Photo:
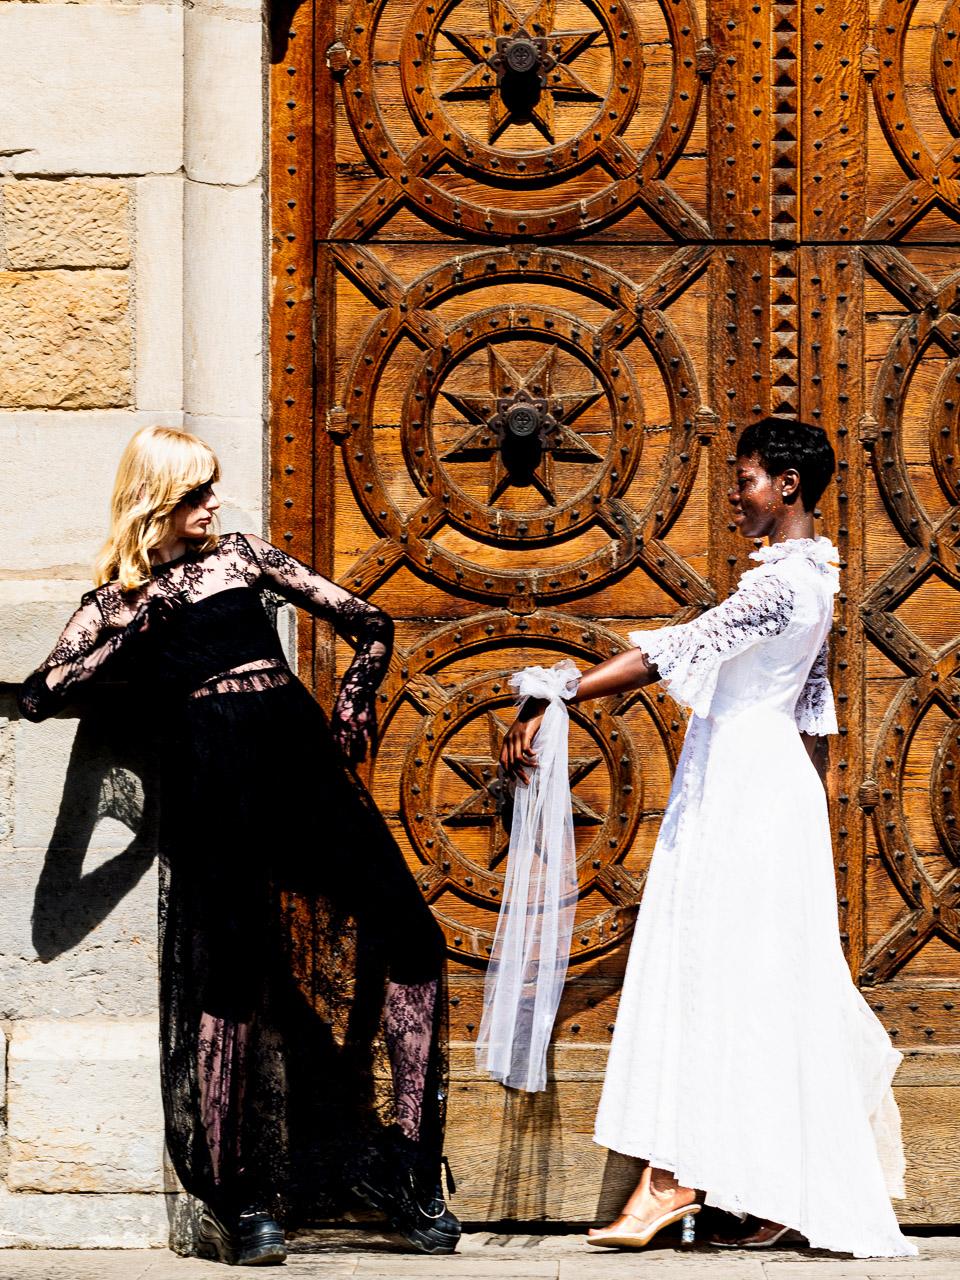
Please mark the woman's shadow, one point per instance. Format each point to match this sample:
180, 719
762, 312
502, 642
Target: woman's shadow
110, 774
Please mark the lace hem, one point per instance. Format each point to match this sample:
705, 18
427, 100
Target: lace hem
240, 680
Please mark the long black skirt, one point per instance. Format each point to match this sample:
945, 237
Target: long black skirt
286, 908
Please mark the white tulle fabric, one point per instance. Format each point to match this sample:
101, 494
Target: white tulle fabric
744, 1058
531, 948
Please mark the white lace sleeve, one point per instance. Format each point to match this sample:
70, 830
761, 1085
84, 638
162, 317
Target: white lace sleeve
689, 657
815, 711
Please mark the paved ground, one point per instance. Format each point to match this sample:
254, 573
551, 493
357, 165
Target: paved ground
483, 1256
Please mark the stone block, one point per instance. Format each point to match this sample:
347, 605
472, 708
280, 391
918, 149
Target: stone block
223, 301
76, 223
114, 1140
65, 340
69, 1221
229, 6
78, 933
32, 615
55, 488
223, 97
239, 444
99, 89
8, 767
159, 292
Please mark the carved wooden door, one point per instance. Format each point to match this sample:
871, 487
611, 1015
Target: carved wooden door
535, 267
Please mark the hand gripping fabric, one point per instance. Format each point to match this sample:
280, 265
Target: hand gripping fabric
532, 944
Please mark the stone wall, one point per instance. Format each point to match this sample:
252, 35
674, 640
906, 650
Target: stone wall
132, 279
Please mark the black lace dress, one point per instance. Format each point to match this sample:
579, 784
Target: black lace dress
302, 998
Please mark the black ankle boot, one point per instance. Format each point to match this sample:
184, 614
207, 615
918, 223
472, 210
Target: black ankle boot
387, 1178
252, 1239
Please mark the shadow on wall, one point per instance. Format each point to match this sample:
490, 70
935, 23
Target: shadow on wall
282, 13
530, 1155
110, 774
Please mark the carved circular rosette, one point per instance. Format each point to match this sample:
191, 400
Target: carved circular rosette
460, 734
435, 117
936, 171
931, 904
409, 172
939, 325
945, 791
557, 331
607, 373
932, 907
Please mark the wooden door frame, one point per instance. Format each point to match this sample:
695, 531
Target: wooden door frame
301, 94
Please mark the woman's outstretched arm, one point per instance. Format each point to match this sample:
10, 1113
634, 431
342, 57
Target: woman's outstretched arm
619, 674
687, 656
370, 629
85, 651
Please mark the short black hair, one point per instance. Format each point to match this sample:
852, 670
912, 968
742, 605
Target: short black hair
782, 444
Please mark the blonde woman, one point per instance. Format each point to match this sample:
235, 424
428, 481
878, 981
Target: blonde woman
296, 950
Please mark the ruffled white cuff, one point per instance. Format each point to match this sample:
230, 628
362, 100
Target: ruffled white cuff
687, 667
560, 681
816, 712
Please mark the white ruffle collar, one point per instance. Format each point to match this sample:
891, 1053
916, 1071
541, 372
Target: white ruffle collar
819, 551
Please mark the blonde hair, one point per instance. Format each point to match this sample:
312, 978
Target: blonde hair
159, 466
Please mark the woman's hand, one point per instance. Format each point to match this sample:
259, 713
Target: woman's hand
354, 726
517, 755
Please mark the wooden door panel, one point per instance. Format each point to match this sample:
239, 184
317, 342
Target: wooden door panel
426, 129
692, 216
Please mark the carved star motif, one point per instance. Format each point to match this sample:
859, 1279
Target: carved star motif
559, 80
481, 806
481, 441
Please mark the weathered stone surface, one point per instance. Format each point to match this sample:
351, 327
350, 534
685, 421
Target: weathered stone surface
159, 293
3, 1081
223, 118
65, 339
222, 300
239, 444
78, 934
114, 1141
76, 223
32, 615
55, 484
88, 889
79, 782
8, 764
99, 89
64, 1221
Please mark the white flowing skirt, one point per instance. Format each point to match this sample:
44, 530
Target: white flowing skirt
744, 1059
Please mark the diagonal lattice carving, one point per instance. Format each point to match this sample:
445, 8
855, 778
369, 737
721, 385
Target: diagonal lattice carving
934, 173
932, 907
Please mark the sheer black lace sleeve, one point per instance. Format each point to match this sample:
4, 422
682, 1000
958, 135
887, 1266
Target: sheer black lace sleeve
86, 650
370, 629
815, 712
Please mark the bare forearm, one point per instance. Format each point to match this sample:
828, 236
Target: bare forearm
619, 674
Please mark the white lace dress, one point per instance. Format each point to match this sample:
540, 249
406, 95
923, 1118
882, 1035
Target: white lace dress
744, 1059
